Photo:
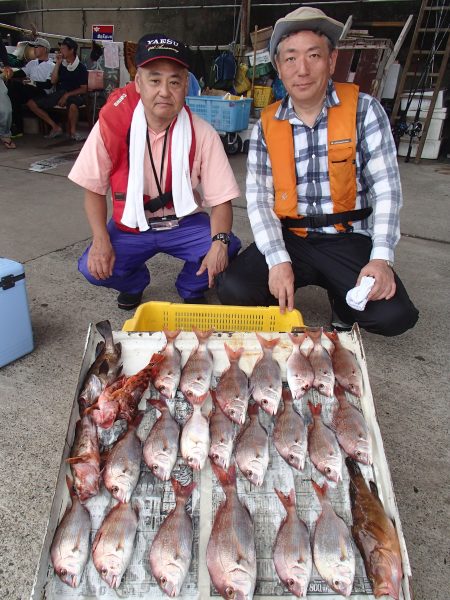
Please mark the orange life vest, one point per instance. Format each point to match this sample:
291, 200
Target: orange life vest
341, 156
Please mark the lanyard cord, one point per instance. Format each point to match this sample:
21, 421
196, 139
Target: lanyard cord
158, 181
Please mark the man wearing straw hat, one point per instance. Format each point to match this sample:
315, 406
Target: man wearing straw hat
323, 190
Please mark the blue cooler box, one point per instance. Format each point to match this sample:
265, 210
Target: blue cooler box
16, 336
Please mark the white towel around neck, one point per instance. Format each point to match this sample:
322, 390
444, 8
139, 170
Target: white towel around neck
183, 197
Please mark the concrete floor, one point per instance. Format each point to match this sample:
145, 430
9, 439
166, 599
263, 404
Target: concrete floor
43, 226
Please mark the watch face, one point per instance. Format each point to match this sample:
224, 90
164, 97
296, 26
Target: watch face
222, 237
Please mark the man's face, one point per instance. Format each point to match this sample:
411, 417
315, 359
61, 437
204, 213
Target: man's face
305, 64
40, 52
162, 85
66, 52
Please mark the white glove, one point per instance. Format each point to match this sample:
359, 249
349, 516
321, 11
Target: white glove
357, 297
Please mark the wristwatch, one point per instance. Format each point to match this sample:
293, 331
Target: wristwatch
221, 237
390, 264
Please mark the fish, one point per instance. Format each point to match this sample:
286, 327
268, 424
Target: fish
171, 551
351, 429
231, 550
292, 555
195, 440
321, 364
333, 552
168, 372
161, 446
122, 403
69, 551
265, 380
105, 369
299, 372
232, 390
113, 545
197, 372
346, 368
289, 433
85, 459
375, 535
221, 431
123, 464
323, 446
252, 448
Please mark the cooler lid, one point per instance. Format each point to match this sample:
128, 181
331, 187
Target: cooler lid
10, 272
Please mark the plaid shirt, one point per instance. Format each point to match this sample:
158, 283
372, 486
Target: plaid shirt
377, 178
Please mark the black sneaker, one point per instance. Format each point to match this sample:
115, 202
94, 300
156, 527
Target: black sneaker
127, 301
199, 300
339, 325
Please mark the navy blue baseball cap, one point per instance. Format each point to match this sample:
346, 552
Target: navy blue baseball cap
158, 45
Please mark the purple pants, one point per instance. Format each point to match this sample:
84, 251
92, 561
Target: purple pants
189, 242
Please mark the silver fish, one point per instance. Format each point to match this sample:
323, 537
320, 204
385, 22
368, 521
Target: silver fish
232, 390
104, 370
333, 552
113, 544
299, 372
85, 459
195, 441
221, 432
252, 449
171, 550
123, 465
292, 554
69, 551
345, 366
231, 551
351, 429
265, 380
321, 364
289, 434
161, 446
168, 372
323, 446
197, 372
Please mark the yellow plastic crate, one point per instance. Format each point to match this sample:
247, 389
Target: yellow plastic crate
155, 316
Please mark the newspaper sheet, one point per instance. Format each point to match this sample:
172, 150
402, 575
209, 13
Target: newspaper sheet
155, 499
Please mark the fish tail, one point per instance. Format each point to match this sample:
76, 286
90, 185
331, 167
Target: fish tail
171, 335
315, 410
298, 340
268, 344
104, 329
339, 392
320, 491
287, 395
75, 460
253, 409
287, 501
159, 403
332, 335
198, 400
202, 336
353, 467
316, 335
233, 355
182, 491
226, 478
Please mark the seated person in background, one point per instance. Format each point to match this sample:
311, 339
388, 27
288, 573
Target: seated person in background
70, 78
30, 82
5, 103
323, 189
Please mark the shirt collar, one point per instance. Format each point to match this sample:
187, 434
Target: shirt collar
286, 111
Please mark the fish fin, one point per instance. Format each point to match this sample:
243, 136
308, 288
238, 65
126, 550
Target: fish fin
171, 335
159, 403
265, 343
137, 420
287, 395
99, 349
374, 489
343, 549
353, 468
118, 348
69, 482
226, 478
233, 355
96, 541
104, 367
182, 491
316, 335
121, 542
287, 501
316, 410
320, 491
198, 400
339, 392
253, 409
74, 460
202, 336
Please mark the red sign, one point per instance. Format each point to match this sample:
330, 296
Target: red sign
103, 32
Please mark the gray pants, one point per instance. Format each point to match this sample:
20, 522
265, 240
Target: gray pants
5, 111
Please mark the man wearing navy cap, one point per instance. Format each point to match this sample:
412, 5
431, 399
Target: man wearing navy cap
152, 153
70, 78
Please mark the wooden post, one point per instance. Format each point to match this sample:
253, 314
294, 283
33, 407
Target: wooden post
254, 60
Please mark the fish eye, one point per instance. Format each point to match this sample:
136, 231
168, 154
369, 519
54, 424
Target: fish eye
229, 591
358, 453
115, 489
337, 583
290, 582
232, 411
104, 571
215, 456
327, 470
321, 386
155, 467
249, 472
163, 580
63, 572
291, 457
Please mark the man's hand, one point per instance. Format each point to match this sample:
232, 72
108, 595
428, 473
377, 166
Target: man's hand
101, 258
384, 287
215, 261
7, 72
58, 58
63, 100
281, 285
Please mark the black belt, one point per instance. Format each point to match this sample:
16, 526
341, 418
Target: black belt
316, 221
